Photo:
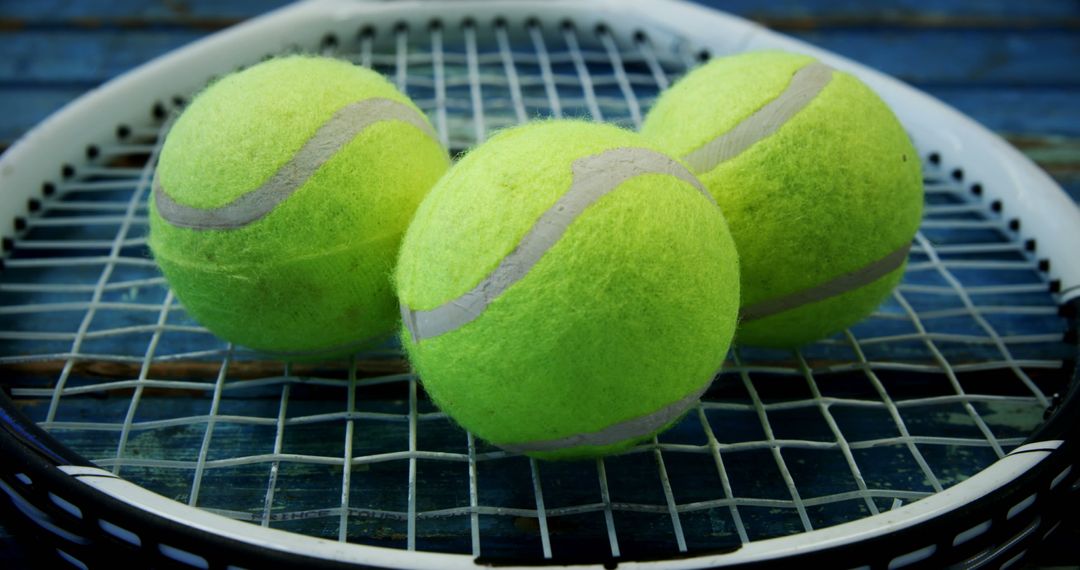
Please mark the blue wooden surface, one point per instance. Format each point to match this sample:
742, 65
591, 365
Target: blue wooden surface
1010, 65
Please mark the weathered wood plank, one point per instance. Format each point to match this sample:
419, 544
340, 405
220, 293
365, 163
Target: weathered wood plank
1047, 111
784, 13
1011, 80
814, 14
81, 56
206, 14
964, 57
824, 9
25, 107
985, 57
1058, 156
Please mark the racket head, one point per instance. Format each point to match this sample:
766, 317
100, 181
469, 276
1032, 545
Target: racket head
507, 509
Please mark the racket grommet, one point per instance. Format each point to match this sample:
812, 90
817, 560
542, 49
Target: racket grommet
602, 29
401, 26
976, 189
179, 101
48, 189
1044, 265
123, 131
67, 171
1029, 245
532, 22
500, 22
159, 109
435, 24
995, 206
330, 40
33, 204
7, 244
567, 24
1055, 286
1014, 224
958, 174
468, 23
20, 223
703, 55
934, 158
367, 32
92, 152
640, 37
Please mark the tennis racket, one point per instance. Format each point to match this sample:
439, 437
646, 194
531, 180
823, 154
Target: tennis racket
940, 431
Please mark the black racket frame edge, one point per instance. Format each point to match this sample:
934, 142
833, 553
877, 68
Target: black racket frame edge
27, 449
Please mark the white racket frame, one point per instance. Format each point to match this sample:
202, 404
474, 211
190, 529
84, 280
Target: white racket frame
1025, 191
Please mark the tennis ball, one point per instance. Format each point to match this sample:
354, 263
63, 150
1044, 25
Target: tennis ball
279, 203
820, 184
567, 290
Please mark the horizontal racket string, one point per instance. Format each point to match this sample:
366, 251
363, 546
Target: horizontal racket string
967, 348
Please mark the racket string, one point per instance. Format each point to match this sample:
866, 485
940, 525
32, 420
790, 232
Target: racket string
774, 448
834, 428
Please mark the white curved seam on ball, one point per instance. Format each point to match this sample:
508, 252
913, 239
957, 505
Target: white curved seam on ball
615, 433
804, 86
850, 281
341, 128
593, 177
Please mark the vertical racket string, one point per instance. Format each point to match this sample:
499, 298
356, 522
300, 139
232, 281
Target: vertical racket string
475, 91
894, 413
211, 420
438, 71
279, 441
609, 516
506, 54
725, 481
546, 75
584, 76
541, 512
621, 77
347, 466
947, 369
773, 444
841, 441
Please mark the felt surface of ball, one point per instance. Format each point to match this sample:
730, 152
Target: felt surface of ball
820, 185
280, 199
567, 290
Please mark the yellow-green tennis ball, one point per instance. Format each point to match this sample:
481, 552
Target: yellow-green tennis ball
280, 200
567, 290
818, 180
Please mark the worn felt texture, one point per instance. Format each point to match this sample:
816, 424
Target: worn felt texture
311, 278
835, 188
632, 309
